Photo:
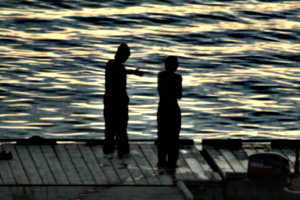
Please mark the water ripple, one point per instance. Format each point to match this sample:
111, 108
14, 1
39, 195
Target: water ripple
239, 61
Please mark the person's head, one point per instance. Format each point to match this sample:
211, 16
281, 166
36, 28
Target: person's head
171, 64
122, 53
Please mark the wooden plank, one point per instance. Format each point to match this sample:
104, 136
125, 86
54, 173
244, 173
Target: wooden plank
93, 165
185, 190
134, 170
109, 171
261, 148
241, 156
249, 150
219, 160
41, 164
28, 164
54, 164
193, 164
184, 172
291, 155
16, 165
144, 166
207, 169
7, 176
152, 159
80, 165
67, 165
233, 161
20, 193
177, 175
92, 193
122, 171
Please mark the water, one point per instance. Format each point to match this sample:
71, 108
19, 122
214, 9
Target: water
239, 61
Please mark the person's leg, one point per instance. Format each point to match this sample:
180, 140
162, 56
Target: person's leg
109, 142
162, 138
173, 151
162, 149
121, 133
173, 144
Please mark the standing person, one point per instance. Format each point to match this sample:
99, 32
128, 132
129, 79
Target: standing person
169, 114
116, 104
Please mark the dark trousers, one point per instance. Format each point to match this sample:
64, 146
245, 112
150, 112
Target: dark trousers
168, 125
116, 119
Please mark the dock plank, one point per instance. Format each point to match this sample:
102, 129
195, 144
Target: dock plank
152, 159
260, 148
92, 193
16, 165
241, 156
207, 169
145, 167
220, 161
233, 161
93, 165
193, 164
7, 176
275, 150
249, 150
122, 171
291, 155
28, 164
67, 165
134, 170
54, 165
184, 172
41, 164
108, 169
80, 164
178, 172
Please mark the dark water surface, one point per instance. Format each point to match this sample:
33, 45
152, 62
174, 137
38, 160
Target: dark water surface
239, 61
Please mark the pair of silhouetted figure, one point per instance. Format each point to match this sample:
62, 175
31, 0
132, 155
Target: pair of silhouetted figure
116, 108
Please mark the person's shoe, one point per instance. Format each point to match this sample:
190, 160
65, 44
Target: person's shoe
171, 166
160, 166
124, 155
109, 155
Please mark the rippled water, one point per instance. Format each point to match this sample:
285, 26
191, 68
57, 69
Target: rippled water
239, 61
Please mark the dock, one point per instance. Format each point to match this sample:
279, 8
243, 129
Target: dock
229, 157
46, 169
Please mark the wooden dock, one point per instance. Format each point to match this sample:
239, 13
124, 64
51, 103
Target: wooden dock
230, 159
50, 169
74, 170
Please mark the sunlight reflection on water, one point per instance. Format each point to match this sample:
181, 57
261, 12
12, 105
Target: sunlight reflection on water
238, 60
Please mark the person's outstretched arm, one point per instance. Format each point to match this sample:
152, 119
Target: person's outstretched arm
135, 72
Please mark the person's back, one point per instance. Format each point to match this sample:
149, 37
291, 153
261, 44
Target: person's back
169, 114
115, 82
169, 87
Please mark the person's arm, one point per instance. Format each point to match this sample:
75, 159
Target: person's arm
180, 88
135, 72
159, 80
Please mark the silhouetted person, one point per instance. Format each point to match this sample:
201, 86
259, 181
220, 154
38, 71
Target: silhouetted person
116, 104
169, 114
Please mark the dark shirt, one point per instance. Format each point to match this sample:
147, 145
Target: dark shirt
115, 82
169, 87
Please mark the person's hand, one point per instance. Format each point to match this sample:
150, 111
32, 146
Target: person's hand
138, 73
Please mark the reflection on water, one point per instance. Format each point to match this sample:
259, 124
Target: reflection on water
239, 61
